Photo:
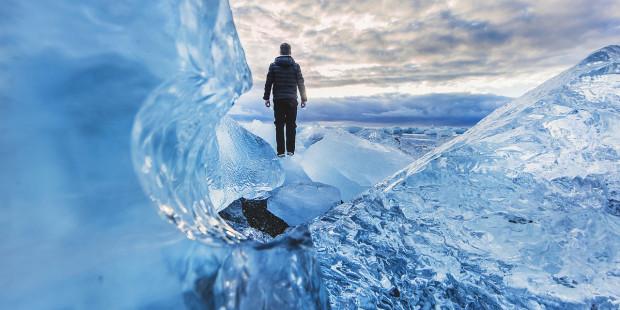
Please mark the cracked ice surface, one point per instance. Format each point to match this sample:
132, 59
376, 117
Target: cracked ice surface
520, 211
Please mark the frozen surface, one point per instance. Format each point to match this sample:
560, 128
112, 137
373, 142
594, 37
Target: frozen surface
350, 163
193, 162
300, 200
78, 231
300, 203
411, 140
353, 159
248, 165
519, 212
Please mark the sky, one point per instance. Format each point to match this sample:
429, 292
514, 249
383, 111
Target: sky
430, 61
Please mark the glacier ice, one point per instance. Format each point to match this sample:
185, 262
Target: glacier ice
300, 200
350, 163
351, 160
300, 203
78, 231
283, 274
519, 212
188, 165
247, 164
193, 162
411, 140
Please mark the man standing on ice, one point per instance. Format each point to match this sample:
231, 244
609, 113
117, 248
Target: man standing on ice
285, 76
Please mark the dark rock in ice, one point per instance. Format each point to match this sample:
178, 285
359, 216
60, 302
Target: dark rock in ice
246, 215
395, 292
515, 219
257, 215
234, 215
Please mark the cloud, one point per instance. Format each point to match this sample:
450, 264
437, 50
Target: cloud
458, 109
414, 46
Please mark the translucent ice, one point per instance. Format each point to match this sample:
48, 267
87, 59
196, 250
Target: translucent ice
247, 164
413, 141
78, 231
519, 212
522, 211
350, 163
191, 168
300, 203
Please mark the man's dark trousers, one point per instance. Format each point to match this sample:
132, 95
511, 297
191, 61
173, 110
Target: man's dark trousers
285, 112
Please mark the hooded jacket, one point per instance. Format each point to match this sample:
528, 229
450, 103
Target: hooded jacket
285, 76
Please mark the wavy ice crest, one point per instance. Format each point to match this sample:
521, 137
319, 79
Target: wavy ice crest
191, 160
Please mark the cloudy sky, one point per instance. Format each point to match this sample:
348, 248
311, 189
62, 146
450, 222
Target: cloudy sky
398, 58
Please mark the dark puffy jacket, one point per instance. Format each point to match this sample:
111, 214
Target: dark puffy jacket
285, 76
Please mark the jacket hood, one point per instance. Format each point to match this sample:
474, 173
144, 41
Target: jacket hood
284, 61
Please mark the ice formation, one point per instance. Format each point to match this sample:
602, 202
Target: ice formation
519, 212
411, 140
352, 160
350, 163
78, 231
194, 162
188, 165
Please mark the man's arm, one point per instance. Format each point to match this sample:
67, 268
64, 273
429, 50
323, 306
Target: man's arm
268, 84
300, 84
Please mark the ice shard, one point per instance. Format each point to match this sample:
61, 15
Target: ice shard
519, 212
192, 161
188, 165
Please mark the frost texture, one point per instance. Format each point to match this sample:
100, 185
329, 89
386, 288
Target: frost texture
411, 140
520, 211
188, 165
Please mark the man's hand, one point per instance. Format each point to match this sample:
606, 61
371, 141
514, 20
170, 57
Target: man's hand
303, 104
267, 103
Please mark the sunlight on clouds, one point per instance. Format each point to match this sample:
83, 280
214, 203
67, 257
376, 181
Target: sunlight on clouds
513, 86
336, 70
367, 21
372, 47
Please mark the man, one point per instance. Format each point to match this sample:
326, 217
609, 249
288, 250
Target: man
285, 76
